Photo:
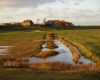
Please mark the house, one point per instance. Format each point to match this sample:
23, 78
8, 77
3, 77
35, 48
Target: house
57, 23
27, 23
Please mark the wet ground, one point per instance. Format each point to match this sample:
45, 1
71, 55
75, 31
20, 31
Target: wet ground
64, 56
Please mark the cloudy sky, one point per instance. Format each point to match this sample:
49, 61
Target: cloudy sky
80, 12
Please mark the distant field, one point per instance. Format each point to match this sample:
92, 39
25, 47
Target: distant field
19, 36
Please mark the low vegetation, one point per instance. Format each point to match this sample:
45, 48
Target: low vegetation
68, 44
63, 67
27, 43
45, 54
29, 74
50, 44
87, 53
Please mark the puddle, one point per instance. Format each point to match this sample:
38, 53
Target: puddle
65, 55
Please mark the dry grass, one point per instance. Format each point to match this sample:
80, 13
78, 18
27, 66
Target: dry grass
25, 49
22, 49
45, 54
75, 53
51, 45
50, 35
13, 62
87, 53
20, 63
50, 41
60, 66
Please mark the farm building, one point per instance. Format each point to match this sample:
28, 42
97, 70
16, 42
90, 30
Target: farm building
27, 23
57, 23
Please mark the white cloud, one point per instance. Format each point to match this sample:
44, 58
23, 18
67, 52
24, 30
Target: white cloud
71, 10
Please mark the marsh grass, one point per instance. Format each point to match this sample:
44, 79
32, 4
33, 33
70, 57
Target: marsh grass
88, 37
45, 54
20, 74
22, 49
53, 66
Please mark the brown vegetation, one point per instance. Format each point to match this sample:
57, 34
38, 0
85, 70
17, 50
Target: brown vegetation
74, 52
45, 54
87, 53
50, 41
51, 45
20, 63
60, 66
25, 49
13, 62
50, 35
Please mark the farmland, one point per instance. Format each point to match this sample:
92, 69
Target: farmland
27, 43
89, 37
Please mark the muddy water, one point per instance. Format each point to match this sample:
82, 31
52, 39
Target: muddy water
65, 55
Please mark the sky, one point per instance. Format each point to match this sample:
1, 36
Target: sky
80, 12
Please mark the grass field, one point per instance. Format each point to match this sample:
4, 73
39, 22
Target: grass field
25, 74
27, 43
21, 37
89, 38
